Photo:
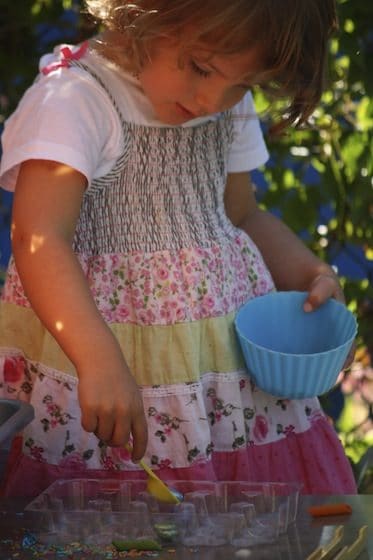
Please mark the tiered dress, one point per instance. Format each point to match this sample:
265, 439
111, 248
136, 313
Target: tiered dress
168, 271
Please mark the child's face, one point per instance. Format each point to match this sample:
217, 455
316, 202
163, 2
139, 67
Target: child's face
203, 85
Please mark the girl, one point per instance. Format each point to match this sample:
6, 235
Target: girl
136, 237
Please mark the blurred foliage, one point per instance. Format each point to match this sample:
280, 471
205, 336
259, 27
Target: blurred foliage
350, 404
334, 159
319, 178
28, 28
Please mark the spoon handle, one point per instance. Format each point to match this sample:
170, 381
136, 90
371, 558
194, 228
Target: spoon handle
142, 463
147, 469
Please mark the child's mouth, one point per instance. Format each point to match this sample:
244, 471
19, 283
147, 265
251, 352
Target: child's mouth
185, 112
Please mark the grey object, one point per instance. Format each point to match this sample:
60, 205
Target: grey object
14, 416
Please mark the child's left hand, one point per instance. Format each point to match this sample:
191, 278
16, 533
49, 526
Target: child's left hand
323, 287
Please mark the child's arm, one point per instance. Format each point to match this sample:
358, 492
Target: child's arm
46, 207
292, 265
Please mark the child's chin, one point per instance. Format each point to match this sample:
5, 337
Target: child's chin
174, 117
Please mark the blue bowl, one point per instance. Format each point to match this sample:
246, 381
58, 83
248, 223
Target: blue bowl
290, 353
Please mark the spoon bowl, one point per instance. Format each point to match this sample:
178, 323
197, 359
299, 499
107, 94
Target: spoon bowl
157, 488
163, 493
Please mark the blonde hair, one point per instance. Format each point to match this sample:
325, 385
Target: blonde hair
291, 35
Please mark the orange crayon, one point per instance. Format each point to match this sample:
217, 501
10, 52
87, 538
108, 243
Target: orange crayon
330, 509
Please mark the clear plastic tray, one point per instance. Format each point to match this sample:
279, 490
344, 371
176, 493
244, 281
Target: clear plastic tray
14, 416
98, 512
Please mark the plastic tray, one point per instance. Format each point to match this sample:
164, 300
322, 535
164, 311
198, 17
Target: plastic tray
98, 512
14, 416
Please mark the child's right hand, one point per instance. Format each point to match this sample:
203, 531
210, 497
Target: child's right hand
111, 402
46, 208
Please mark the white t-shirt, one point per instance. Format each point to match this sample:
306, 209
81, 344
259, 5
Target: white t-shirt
67, 116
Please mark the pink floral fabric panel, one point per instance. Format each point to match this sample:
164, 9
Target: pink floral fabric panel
169, 287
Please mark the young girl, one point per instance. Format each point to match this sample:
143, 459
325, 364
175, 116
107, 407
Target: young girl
136, 237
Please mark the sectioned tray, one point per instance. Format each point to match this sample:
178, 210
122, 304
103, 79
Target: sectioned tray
14, 416
98, 512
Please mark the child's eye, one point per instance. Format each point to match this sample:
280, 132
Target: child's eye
198, 70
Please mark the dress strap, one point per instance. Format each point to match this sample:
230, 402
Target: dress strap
71, 57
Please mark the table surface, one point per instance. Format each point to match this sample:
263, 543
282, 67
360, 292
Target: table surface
302, 538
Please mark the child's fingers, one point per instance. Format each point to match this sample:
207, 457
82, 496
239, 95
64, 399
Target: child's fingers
105, 428
98, 421
140, 437
322, 288
89, 419
121, 433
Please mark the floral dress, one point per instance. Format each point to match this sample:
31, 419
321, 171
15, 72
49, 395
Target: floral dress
168, 272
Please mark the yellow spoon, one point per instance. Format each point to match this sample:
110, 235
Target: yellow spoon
156, 487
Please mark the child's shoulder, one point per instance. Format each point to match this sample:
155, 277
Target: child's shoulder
77, 67
76, 80
85, 71
65, 115
65, 90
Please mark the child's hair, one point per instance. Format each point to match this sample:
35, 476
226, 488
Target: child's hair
290, 35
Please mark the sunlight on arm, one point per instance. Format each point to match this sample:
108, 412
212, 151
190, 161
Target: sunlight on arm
59, 326
37, 241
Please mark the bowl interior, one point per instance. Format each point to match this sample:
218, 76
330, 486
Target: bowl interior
277, 322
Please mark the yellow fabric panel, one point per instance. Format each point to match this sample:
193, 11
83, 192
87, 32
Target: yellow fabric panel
21, 329
156, 354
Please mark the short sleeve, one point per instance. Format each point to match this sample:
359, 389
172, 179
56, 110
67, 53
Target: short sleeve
66, 117
248, 149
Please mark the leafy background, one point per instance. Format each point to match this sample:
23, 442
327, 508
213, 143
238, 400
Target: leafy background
319, 179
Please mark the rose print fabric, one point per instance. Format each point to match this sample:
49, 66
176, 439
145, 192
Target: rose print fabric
241, 433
